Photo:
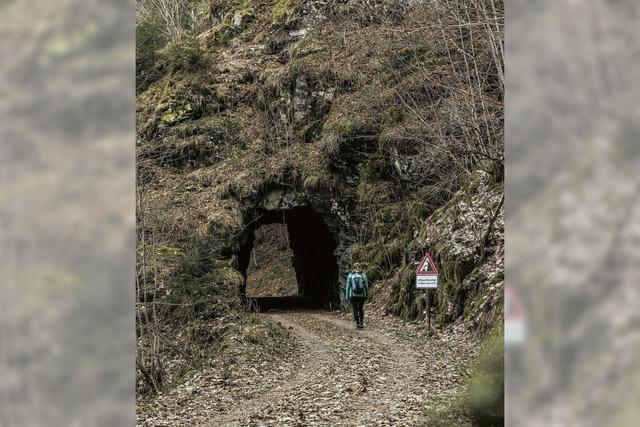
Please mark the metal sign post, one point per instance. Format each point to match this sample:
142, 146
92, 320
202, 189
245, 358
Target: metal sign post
427, 278
428, 309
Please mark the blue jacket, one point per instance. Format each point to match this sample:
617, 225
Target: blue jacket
349, 289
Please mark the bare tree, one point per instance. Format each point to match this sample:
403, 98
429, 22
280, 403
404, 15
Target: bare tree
177, 16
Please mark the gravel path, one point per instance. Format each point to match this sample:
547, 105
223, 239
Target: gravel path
385, 375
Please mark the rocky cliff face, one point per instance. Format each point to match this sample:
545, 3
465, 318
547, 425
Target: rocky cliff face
352, 110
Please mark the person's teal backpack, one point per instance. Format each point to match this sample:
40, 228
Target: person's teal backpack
358, 284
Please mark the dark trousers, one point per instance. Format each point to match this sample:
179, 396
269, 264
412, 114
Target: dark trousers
358, 309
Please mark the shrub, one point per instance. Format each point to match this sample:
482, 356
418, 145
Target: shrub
482, 401
183, 55
149, 40
485, 391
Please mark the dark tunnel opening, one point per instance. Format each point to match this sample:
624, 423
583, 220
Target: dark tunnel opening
314, 262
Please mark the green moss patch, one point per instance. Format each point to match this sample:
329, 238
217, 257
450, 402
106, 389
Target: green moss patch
283, 10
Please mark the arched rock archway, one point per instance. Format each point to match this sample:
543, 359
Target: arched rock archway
320, 242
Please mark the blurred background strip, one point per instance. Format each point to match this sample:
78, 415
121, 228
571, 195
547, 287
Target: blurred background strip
67, 203
573, 209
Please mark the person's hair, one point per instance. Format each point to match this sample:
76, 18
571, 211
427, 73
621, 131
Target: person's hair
356, 266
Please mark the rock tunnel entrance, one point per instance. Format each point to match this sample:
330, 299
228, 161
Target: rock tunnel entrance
312, 247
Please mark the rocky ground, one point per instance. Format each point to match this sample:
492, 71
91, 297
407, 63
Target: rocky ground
389, 374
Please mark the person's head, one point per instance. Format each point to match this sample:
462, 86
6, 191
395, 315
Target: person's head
356, 266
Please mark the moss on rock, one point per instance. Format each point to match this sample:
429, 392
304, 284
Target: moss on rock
177, 114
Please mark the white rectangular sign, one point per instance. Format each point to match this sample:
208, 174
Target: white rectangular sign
427, 282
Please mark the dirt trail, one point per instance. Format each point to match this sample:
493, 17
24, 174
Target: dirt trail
385, 375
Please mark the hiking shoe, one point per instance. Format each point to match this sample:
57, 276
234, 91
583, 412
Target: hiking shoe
359, 326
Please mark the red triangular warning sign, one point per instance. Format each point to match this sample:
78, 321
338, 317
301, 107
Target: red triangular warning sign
426, 267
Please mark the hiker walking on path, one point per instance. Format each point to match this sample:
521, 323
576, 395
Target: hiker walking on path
357, 292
